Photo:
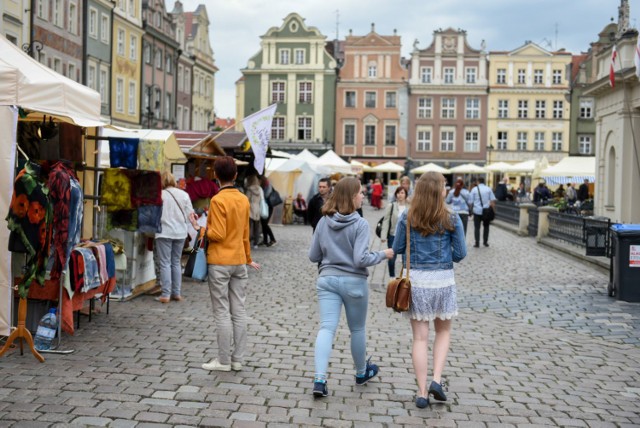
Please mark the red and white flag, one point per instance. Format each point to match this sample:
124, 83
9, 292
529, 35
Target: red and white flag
612, 72
636, 58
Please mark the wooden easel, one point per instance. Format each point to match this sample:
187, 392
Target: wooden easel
22, 333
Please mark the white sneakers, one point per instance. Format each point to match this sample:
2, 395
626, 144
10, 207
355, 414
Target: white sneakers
217, 366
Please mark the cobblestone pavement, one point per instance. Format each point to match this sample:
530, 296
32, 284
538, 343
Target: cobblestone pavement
537, 342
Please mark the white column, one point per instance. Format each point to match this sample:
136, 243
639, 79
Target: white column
291, 95
548, 77
318, 106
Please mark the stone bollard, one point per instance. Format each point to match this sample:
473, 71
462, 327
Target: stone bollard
523, 226
543, 221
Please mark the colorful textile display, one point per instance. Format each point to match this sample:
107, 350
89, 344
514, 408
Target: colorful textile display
29, 220
151, 155
146, 187
116, 190
149, 219
123, 152
123, 219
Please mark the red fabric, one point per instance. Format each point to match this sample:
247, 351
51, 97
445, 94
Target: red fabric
376, 195
51, 291
612, 72
201, 189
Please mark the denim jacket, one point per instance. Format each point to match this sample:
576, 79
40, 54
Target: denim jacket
437, 251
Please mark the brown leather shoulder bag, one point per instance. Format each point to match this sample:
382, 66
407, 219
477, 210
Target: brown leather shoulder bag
399, 289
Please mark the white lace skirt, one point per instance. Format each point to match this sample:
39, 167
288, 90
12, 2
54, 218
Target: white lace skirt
433, 295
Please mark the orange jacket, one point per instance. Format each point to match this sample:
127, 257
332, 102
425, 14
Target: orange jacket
228, 228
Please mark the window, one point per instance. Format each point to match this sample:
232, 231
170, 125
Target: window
57, 65
284, 56
167, 106
120, 95
448, 108
503, 109
105, 29
369, 135
43, 58
521, 141
186, 122
373, 70
349, 134
133, 48
503, 138
424, 108
156, 102
449, 73
187, 85
58, 14
350, 99
501, 76
584, 144
158, 57
538, 141
179, 118
93, 23
73, 18
471, 141
537, 77
423, 142
557, 109
71, 72
168, 67
586, 108
304, 128
523, 109
132, 8
470, 73
541, 107
557, 77
390, 99
132, 97
447, 141
277, 92
522, 76
42, 9
370, 99
426, 74
390, 135
157, 19
121, 42
146, 53
473, 108
556, 141
304, 92
91, 77
103, 88
299, 56
180, 78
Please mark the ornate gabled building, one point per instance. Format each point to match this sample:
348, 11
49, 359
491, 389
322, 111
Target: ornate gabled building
529, 108
371, 95
198, 48
126, 65
448, 101
160, 56
294, 70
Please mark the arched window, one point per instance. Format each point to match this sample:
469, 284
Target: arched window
611, 176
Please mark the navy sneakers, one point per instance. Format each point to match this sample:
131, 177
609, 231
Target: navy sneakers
370, 372
320, 389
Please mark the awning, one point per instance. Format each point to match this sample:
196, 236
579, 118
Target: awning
572, 166
429, 168
467, 168
388, 167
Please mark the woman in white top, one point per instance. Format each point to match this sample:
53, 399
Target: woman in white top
458, 199
389, 221
177, 213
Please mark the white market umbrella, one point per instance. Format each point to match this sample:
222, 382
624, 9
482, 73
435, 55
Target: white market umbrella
335, 163
388, 167
430, 167
572, 166
364, 167
467, 168
498, 167
525, 167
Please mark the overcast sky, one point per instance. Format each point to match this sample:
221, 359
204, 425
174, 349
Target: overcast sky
236, 25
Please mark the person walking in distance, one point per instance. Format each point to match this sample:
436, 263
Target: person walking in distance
458, 199
390, 220
341, 249
314, 212
583, 191
436, 237
228, 255
267, 234
481, 197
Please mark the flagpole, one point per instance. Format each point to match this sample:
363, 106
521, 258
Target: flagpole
217, 135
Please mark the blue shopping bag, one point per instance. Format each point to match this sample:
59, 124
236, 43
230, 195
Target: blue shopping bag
196, 267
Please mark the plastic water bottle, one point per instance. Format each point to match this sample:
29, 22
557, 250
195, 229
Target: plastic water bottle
47, 328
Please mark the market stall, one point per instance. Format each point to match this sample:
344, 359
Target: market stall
41, 101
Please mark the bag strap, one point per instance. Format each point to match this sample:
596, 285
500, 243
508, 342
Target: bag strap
408, 250
178, 204
390, 217
480, 196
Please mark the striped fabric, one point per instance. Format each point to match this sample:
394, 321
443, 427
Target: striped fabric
565, 180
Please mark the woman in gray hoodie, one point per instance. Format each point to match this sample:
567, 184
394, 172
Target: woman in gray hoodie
340, 246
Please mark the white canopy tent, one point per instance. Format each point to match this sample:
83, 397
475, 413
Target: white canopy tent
388, 167
365, 167
525, 167
467, 168
572, 169
335, 163
307, 156
39, 90
498, 167
430, 167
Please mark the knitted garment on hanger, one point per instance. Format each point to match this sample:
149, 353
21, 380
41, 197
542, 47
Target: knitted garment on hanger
146, 187
116, 190
151, 155
123, 152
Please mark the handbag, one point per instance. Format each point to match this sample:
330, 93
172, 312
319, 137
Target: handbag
274, 198
264, 207
196, 266
399, 289
488, 214
379, 225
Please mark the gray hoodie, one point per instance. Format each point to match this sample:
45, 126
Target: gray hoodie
341, 245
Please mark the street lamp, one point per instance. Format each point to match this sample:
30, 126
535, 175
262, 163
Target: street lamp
150, 113
32, 48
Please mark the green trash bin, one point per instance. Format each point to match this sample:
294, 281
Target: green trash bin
626, 261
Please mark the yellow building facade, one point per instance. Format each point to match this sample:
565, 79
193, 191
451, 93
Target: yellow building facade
529, 109
125, 65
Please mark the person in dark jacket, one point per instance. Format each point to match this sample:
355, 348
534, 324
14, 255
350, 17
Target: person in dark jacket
501, 190
583, 191
314, 212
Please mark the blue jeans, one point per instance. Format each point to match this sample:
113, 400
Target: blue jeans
333, 292
169, 252
392, 260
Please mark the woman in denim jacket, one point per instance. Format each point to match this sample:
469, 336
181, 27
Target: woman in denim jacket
437, 241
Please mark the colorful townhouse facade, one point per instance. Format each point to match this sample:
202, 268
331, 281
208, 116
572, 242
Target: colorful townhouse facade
371, 95
293, 70
447, 103
184, 70
529, 104
97, 48
15, 21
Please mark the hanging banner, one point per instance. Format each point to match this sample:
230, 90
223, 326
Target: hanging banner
258, 129
8, 122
